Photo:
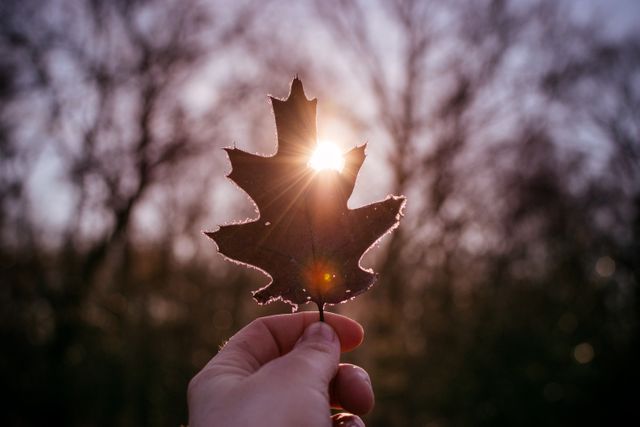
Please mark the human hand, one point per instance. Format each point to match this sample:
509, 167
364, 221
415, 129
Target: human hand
283, 371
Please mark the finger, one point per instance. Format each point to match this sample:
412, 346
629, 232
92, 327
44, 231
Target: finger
347, 420
311, 364
351, 390
267, 338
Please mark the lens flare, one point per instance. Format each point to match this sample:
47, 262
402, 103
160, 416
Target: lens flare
327, 155
321, 277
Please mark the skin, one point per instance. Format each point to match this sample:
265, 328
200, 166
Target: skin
283, 371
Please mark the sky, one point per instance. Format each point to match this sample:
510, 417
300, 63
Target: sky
618, 16
624, 14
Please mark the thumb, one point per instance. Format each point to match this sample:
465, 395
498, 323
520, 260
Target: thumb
314, 359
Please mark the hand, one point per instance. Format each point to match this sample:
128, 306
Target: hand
283, 371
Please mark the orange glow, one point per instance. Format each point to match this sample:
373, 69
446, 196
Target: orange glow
321, 277
327, 155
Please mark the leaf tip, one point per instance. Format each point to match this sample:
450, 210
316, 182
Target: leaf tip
400, 202
210, 234
297, 91
275, 102
296, 87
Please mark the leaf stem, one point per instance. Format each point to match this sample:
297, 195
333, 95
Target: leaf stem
321, 310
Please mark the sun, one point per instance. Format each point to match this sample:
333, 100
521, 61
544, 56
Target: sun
327, 155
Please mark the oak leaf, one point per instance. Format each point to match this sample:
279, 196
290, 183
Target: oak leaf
305, 238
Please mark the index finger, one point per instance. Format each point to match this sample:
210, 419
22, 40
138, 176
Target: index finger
267, 338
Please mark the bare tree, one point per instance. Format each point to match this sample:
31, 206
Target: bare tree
454, 91
106, 89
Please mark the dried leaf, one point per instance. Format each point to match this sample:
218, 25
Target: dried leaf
305, 238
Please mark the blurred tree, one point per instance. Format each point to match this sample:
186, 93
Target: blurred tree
100, 306
500, 249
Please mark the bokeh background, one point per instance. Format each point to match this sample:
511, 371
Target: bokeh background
508, 296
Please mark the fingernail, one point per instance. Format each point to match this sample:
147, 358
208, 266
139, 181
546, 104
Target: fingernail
347, 420
319, 330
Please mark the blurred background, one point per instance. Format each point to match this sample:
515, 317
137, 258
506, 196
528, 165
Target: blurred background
508, 296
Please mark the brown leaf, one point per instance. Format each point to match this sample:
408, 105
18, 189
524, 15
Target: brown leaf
305, 238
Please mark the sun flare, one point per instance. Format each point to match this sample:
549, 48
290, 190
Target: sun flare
327, 155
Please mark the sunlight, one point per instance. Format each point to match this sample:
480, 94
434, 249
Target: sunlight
327, 155
321, 276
